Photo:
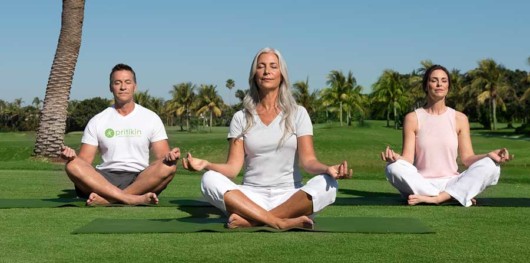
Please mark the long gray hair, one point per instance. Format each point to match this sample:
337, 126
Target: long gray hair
285, 101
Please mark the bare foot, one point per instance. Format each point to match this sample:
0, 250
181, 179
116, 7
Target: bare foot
236, 221
418, 199
96, 200
145, 199
473, 201
301, 222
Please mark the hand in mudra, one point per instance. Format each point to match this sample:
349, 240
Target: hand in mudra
193, 164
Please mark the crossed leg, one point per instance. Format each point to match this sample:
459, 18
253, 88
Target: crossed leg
292, 213
102, 192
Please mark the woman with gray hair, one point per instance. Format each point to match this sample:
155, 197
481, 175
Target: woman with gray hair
271, 137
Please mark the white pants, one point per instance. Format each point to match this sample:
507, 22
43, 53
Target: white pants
322, 189
405, 177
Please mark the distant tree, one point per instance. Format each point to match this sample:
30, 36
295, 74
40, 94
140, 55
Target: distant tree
425, 64
52, 123
84, 110
240, 94
489, 77
457, 95
526, 95
304, 97
337, 96
182, 102
389, 89
208, 101
145, 99
230, 84
36, 102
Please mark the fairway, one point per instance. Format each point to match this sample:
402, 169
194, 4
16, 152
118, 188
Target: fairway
494, 231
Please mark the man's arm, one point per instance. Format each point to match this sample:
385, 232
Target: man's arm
88, 152
160, 149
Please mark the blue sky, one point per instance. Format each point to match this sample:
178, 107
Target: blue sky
206, 42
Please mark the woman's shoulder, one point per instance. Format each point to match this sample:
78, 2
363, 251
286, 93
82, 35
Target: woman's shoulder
239, 115
411, 115
460, 116
300, 109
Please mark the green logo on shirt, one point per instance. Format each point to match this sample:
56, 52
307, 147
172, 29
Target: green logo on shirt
109, 133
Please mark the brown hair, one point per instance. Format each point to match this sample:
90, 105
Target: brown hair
428, 73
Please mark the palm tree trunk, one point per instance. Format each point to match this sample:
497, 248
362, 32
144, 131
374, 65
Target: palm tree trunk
340, 112
395, 116
211, 120
494, 113
52, 122
388, 118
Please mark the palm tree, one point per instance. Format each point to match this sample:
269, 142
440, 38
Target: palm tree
52, 121
303, 97
240, 94
230, 83
181, 104
36, 103
336, 96
525, 97
526, 94
143, 98
209, 101
425, 64
457, 94
489, 78
389, 89
412, 85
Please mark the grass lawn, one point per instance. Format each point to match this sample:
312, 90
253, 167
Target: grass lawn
496, 231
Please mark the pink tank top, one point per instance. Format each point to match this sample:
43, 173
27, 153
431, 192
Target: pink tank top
436, 144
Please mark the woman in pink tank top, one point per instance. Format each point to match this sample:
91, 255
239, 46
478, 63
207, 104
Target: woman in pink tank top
433, 137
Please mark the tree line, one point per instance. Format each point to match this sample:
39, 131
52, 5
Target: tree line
488, 94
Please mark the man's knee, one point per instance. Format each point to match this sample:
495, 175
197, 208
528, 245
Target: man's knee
74, 168
164, 171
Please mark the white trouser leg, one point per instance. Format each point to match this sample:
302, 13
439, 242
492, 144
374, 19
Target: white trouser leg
405, 177
321, 188
323, 191
474, 180
214, 185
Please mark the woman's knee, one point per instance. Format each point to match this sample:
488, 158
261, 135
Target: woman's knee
487, 166
212, 180
322, 184
323, 191
398, 169
209, 179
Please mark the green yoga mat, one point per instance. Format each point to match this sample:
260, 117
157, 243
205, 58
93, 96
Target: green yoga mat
76, 202
186, 225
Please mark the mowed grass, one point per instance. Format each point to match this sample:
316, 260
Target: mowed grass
497, 231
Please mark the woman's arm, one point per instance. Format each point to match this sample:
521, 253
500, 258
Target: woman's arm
230, 169
410, 127
465, 148
310, 163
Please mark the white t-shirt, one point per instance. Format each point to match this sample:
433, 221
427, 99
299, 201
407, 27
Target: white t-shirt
124, 141
266, 165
